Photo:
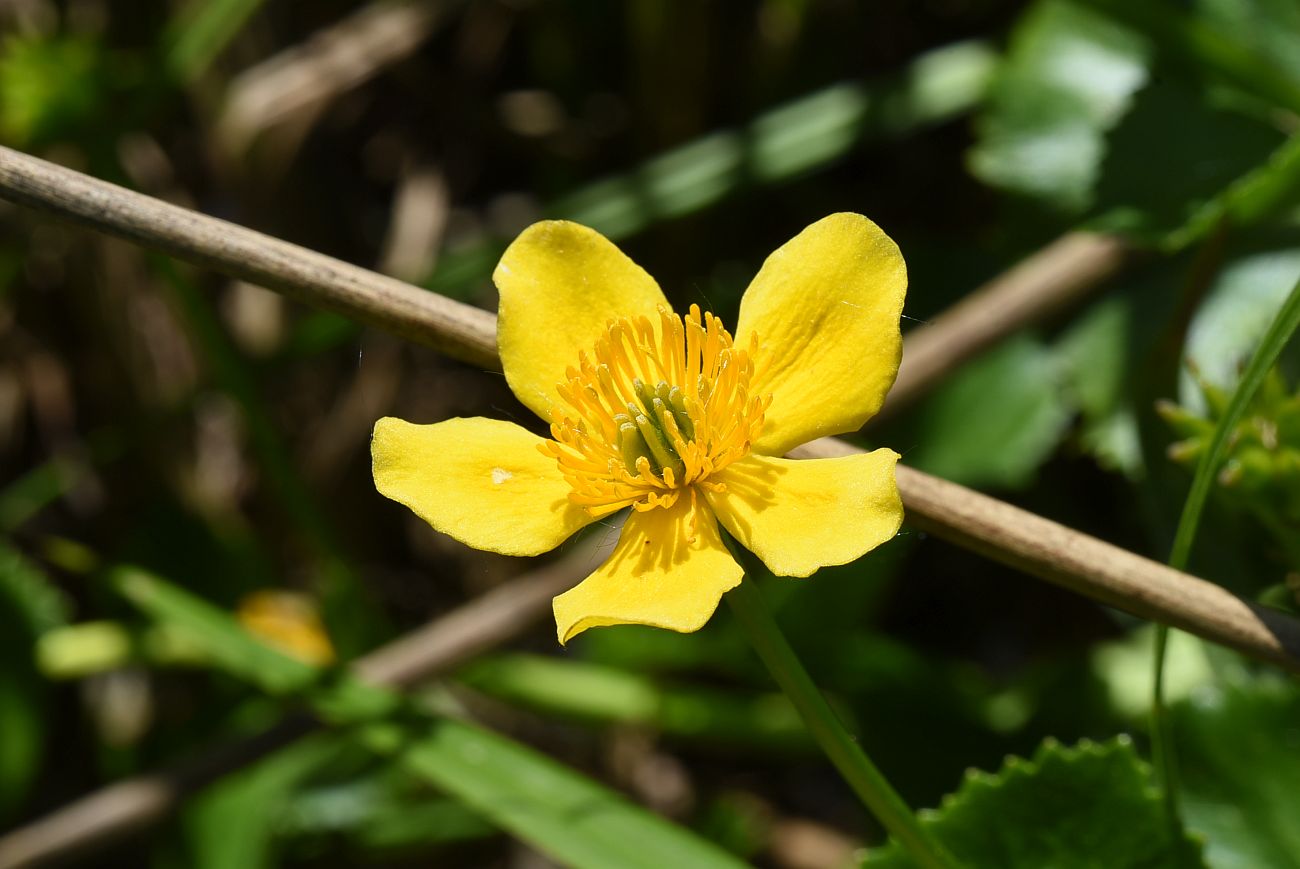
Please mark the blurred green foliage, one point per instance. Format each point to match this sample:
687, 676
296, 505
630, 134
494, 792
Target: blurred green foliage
151, 415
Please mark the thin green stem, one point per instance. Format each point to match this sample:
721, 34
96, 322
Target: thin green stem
1162, 741
862, 775
1266, 354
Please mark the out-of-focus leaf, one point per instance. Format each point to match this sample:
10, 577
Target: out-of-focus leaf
46, 85
38, 604
232, 825
1173, 162
802, 135
1088, 806
569, 817
1069, 77
1097, 355
558, 811
1202, 49
995, 421
1124, 668
1237, 311
1239, 759
607, 695
200, 30
1107, 357
29, 606
380, 812
1269, 28
1092, 118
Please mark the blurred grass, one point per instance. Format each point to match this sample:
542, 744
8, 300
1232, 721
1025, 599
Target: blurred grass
151, 415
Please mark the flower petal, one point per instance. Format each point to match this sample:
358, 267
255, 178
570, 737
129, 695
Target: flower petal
481, 481
799, 515
655, 576
825, 307
560, 283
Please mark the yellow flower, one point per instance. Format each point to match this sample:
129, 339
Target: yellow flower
671, 417
288, 621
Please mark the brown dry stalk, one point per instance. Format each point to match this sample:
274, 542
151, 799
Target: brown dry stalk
1004, 533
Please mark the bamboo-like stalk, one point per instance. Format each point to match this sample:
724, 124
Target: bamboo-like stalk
1031, 543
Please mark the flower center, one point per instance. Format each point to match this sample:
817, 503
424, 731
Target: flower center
652, 413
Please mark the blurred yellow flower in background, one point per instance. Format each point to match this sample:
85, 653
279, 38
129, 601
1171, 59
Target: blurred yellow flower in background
289, 622
672, 417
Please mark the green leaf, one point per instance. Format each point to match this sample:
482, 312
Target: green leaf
1270, 29
29, 606
388, 810
1167, 189
995, 421
601, 694
200, 30
232, 825
1096, 117
557, 810
1239, 752
47, 86
1237, 311
569, 817
1070, 75
1086, 807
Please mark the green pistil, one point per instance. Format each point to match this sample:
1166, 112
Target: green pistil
677, 401
655, 438
631, 446
644, 430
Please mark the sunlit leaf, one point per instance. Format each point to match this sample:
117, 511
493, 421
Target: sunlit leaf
1081, 807
1239, 758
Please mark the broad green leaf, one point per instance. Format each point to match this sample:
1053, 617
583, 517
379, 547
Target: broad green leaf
1239, 751
995, 421
569, 817
1268, 28
1096, 118
1069, 77
1096, 355
1173, 163
557, 810
1124, 668
233, 824
1237, 311
1086, 807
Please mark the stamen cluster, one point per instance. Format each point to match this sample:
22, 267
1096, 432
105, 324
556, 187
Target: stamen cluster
652, 413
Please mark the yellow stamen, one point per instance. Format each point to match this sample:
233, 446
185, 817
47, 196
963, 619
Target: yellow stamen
652, 412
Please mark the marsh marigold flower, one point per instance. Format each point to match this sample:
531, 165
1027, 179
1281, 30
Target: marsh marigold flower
672, 417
